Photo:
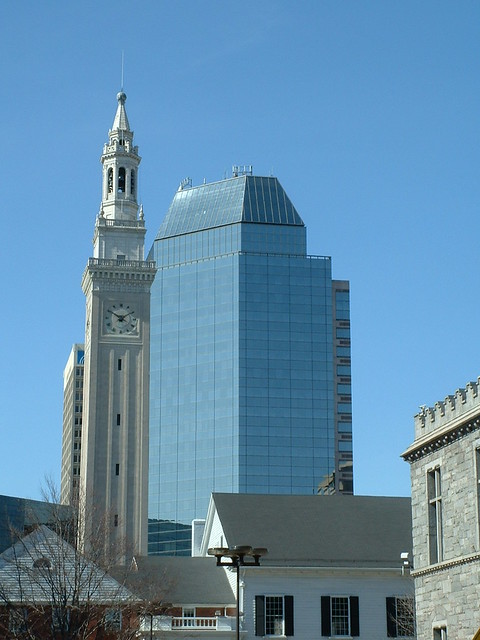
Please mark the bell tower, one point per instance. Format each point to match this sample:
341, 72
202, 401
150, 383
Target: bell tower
116, 284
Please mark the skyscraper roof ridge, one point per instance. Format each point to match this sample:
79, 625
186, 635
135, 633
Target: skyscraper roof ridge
244, 198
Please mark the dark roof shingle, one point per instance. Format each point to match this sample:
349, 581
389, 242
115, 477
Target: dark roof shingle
331, 530
180, 580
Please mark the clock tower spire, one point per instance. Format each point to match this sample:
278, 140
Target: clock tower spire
120, 162
116, 284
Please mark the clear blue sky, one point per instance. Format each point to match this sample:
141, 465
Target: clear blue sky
368, 113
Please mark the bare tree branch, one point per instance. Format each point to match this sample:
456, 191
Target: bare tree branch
52, 588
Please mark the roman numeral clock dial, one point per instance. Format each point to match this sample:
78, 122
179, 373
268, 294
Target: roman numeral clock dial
120, 319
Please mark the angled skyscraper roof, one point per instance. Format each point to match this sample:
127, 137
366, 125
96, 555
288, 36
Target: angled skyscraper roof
244, 198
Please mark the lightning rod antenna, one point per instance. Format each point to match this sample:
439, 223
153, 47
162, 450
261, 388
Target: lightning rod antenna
123, 56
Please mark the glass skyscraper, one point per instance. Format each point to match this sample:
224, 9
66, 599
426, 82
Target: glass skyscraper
247, 336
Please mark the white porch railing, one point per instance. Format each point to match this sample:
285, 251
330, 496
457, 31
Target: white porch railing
198, 623
169, 623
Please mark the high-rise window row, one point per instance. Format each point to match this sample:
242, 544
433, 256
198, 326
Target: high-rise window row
72, 424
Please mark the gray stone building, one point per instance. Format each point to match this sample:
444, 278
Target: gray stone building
445, 476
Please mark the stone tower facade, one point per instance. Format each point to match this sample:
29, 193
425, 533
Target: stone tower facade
445, 475
116, 284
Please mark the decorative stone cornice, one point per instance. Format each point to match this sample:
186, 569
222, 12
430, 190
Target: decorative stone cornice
448, 564
436, 441
445, 422
118, 274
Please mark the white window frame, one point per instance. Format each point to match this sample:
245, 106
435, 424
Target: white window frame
335, 633
188, 616
112, 619
274, 619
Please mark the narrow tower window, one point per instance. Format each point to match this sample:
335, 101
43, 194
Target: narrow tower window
132, 182
118, 419
121, 180
110, 180
434, 489
477, 466
117, 469
119, 364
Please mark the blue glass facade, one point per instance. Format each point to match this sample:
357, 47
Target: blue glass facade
242, 394
19, 516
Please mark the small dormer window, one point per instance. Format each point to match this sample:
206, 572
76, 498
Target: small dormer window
121, 142
42, 563
110, 180
121, 180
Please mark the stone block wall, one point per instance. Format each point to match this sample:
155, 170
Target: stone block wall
447, 592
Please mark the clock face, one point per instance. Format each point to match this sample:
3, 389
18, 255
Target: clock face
120, 319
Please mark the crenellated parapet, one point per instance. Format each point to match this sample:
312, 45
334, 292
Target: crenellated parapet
461, 403
448, 420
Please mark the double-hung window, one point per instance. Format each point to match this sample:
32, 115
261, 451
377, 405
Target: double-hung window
188, 617
17, 621
435, 535
60, 619
340, 616
112, 620
400, 617
274, 615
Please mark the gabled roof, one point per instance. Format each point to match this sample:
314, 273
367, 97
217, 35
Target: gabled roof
42, 566
180, 580
335, 530
244, 198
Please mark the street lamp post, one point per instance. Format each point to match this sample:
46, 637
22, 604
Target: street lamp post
237, 557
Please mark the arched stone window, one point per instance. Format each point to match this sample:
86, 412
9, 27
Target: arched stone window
121, 180
132, 182
110, 180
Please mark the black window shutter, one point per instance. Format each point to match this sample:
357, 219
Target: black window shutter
354, 616
326, 627
288, 600
259, 615
391, 618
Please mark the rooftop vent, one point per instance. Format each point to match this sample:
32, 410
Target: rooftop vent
242, 170
186, 183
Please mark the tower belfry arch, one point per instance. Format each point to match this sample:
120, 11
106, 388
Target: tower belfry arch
120, 161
